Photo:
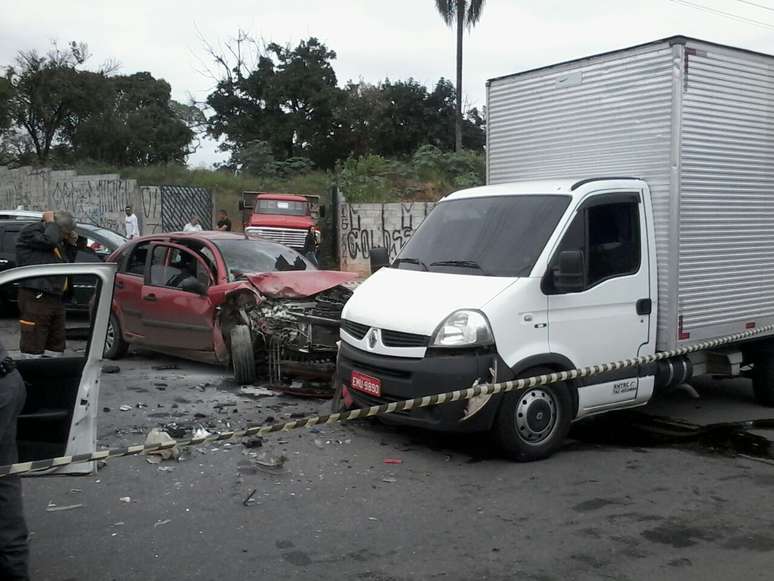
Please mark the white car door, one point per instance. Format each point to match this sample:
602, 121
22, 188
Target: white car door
598, 289
60, 413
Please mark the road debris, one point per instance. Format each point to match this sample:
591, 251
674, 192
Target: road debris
161, 523
255, 442
165, 366
250, 500
157, 436
54, 508
200, 433
125, 408
389, 479
126, 499
111, 369
255, 391
393, 461
274, 465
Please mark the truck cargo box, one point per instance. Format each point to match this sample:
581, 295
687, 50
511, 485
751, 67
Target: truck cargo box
696, 121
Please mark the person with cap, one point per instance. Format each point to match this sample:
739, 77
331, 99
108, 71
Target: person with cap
132, 229
41, 306
14, 550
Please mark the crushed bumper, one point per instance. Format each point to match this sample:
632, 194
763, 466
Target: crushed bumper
405, 378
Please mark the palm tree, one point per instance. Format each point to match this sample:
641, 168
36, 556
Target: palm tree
466, 14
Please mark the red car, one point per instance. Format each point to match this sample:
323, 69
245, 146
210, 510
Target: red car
224, 298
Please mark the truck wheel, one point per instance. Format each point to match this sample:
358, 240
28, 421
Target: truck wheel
115, 346
532, 424
763, 379
242, 355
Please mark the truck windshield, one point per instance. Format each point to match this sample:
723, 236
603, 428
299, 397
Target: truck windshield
492, 236
284, 207
256, 256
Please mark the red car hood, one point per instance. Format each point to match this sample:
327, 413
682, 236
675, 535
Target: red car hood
298, 284
281, 221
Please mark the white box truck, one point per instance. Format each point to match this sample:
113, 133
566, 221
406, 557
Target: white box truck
561, 263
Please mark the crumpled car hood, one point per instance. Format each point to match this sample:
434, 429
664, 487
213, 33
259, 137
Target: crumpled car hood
299, 284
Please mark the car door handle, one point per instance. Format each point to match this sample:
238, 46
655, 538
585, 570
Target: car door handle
151, 297
644, 306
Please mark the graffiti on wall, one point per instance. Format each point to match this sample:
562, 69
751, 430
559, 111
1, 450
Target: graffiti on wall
366, 226
149, 210
98, 201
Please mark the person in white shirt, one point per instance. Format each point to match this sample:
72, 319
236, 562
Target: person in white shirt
132, 229
193, 225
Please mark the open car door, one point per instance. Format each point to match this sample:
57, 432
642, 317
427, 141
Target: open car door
60, 414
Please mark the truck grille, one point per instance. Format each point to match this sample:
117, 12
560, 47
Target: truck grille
389, 338
398, 339
357, 330
293, 237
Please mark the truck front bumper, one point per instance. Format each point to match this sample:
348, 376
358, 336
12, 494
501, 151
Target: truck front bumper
404, 378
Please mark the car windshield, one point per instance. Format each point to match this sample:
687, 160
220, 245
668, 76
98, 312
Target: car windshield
251, 256
284, 207
491, 236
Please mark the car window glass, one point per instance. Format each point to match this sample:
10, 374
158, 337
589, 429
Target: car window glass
158, 270
613, 241
9, 240
136, 262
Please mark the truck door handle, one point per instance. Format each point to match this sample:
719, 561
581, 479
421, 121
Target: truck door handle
644, 306
151, 297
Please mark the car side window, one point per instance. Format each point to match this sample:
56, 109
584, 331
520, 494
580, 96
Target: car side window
136, 262
608, 237
176, 268
9, 240
158, 268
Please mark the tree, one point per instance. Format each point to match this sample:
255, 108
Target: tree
133, 123
45, 90
465, 13
280, 95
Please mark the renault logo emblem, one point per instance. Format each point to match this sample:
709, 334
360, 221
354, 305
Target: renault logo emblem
373, 338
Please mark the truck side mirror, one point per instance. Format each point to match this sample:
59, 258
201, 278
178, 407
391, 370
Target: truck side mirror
322, 211
379, 258
570, 274
241, 205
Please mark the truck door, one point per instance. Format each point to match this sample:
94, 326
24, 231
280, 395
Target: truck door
599, 306
176, 311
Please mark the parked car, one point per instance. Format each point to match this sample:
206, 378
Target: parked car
221, 297
95, 245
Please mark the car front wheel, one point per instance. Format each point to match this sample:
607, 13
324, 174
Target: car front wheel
533, 423
242, 355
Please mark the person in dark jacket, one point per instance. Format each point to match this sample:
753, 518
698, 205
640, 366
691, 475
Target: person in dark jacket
41, 308
311, 246
14, 551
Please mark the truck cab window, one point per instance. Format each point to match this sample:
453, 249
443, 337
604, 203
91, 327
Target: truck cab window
608, 235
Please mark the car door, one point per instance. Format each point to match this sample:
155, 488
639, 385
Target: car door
606, 317
174, 315
127, 300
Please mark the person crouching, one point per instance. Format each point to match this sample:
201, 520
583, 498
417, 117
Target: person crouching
41, 306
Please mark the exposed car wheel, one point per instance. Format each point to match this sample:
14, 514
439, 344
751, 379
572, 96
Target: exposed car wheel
242, 354
531, 424
763, 379
115, 346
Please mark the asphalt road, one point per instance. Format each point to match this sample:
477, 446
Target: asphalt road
603, 508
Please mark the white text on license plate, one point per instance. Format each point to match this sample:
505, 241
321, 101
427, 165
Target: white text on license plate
366, 384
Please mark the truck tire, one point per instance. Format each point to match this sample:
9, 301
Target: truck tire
115, 346
763, 379
532, 424
242, 355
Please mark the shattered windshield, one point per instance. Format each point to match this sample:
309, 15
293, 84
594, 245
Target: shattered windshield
252, 256
492, 236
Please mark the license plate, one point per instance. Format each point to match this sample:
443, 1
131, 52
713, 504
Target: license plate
366, 384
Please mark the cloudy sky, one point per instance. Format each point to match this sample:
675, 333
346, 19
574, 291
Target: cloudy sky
373, 39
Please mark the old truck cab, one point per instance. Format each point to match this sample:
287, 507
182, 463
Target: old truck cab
509, 281
282, 218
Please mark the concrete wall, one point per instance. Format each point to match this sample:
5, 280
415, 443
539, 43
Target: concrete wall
101, 199
366, 226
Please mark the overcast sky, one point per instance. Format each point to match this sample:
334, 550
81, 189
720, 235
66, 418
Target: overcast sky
373, 39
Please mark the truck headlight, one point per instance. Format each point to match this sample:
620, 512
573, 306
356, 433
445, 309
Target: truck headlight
463, 329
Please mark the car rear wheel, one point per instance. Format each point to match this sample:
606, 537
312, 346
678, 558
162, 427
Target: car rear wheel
242, 355
115, 346
532, 424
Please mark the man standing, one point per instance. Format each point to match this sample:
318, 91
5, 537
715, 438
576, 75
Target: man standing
13, 529
193, 225
132, 229
224, 222
41, 309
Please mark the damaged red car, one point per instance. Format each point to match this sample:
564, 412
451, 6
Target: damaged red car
223, 298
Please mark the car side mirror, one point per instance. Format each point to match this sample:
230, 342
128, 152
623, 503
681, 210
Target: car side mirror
193, 285
379, 258
321, 211
241, 205
570, 274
